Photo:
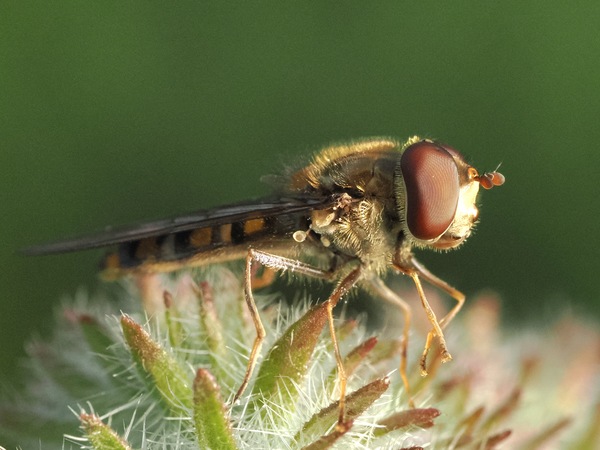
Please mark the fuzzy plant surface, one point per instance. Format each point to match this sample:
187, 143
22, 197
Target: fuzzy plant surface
157, 367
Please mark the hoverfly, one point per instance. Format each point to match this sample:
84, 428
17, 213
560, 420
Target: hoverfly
351, 215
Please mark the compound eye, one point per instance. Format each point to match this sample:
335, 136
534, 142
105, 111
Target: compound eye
432, 189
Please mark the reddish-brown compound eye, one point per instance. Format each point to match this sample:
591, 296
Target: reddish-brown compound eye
432, 189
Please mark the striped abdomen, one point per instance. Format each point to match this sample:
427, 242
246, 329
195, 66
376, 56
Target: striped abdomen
205, 245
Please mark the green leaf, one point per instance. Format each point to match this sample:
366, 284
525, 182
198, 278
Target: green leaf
287, 361
213, 429
209, 320
213, 331
176, 332
100, 435
356, 403
168, 377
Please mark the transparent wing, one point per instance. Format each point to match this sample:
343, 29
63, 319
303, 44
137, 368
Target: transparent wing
204, 218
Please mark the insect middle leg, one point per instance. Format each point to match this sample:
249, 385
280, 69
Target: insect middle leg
391, 297
275, 262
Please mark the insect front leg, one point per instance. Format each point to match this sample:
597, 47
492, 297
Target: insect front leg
414, 273
441, 284
436, 331
454, 293
277, 263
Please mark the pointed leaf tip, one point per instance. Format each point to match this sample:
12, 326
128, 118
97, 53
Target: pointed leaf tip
213, 429
169, 378
100, 435
287, 361
142, 347
356, 403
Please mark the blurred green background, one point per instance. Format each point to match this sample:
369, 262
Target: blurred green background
113, 112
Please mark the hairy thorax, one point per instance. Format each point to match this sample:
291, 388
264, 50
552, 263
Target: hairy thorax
363, 221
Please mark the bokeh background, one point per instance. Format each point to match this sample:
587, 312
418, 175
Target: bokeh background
113, 112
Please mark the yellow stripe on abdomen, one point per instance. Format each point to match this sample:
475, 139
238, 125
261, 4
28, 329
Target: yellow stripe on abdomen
201, 237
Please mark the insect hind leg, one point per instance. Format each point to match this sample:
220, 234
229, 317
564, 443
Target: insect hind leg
281, 263
272, 262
